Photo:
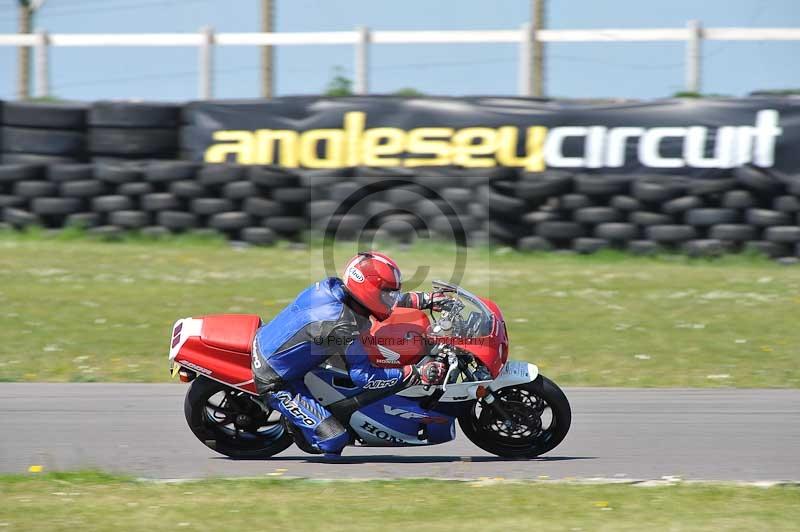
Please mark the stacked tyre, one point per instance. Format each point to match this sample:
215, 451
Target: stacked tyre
120, 131
43, 133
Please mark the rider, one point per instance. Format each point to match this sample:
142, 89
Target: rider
328, 318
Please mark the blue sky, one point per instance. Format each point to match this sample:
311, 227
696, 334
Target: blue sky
633, 70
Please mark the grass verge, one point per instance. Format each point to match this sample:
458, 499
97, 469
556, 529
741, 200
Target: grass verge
95, 501
73, 309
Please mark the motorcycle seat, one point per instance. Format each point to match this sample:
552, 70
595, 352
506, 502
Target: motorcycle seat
232, 332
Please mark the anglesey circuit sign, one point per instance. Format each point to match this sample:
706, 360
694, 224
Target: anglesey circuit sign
392, 132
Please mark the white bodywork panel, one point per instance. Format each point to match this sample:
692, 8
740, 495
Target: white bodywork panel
512, 373
191, 327
321, 390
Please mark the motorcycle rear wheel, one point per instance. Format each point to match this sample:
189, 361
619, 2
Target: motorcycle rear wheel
229, 422
540, 419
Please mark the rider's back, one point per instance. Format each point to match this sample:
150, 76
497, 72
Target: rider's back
293, 340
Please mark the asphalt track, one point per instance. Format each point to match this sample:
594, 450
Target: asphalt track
139, 429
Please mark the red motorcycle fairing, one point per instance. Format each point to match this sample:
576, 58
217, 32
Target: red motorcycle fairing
398, 340
401, 340
222, 351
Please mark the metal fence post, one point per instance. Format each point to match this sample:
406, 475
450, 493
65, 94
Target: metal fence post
694, 56
207, 63
527, 38
42, 61
362, 61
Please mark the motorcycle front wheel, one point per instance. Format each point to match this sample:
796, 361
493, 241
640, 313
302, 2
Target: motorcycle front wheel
539, 418
228, 421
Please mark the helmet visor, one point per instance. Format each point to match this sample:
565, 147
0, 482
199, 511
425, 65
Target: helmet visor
390, 297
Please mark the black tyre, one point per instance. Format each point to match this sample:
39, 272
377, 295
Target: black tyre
505, 232
537, 217
211, 206
170, 171
767, 218
540, 419
505, 207
11, 173
702, 187
708, 217
134, 114
176, 220
597, 215
133, 142
738, 199
258, 236
559, 230
625, 203
572, 202
230, 221
587, 246
220, 174
344, 226
287, 225
657, 189
546, 184
263, 208
291, 195
160, 201
136, 189
617, 231
43, 141
788, 234
756, 179
682, 204
129, 219
35, 189
117, 174
272, 177
231, 423
605, 185
733, 232
322, 178
406, 196
44, 115
786, 204
55, 206
671, 233
240, 190
187, 189
646, 219
20, 218
38, 158
112, 203
7, 200
324, 208
534, 243
62, 173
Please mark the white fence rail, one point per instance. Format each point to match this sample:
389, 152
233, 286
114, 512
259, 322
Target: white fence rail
362, 38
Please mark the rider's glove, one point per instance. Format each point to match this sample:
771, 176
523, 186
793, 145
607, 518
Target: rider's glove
430, 373
426, 301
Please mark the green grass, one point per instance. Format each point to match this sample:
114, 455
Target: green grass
101, 502
73, 309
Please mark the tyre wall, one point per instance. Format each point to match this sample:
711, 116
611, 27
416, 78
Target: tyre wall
532, 211
115, 167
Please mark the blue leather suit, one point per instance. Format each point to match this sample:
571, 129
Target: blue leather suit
317, 324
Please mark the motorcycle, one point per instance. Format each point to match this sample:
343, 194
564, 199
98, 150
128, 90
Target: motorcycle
504, 407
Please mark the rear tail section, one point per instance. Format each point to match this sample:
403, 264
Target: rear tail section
216, 346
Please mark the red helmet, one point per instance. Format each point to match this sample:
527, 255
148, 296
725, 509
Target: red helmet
373, 279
